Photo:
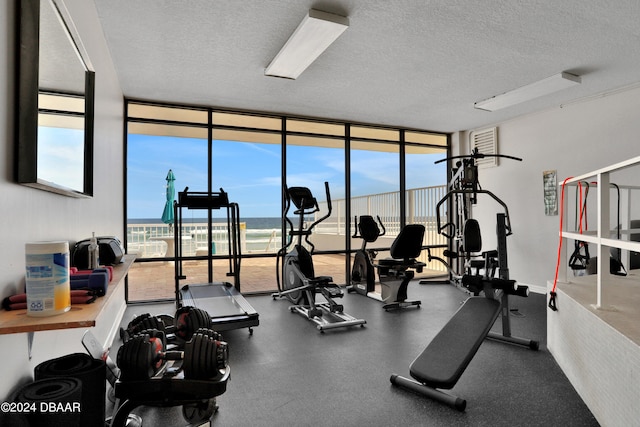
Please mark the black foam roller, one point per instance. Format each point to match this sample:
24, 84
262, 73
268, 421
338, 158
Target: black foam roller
93, 374
62, 393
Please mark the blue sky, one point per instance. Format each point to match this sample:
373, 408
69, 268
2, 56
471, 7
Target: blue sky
250, 172
61, 156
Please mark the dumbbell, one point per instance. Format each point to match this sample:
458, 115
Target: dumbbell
144, 354
143, 322
187, 320
205, 355
107, 268
97, 280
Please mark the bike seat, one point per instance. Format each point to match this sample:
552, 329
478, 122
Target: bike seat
401, 264
405, 249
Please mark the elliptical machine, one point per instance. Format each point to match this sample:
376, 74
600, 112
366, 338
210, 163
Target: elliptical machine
299, 283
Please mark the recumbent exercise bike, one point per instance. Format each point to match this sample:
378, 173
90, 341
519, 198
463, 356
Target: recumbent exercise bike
396, 272
297, 280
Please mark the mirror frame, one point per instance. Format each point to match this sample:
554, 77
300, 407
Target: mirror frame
26, 163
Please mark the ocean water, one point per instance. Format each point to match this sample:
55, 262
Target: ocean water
263, 233
254, 223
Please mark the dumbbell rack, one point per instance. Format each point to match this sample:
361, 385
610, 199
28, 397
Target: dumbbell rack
167, 390
223, 300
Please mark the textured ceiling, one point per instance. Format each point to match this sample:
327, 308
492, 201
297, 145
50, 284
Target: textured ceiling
412, 63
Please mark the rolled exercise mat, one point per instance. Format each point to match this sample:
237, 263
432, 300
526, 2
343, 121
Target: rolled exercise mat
53, 402
93, 374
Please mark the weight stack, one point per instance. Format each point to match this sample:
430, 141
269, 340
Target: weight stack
44, 392
93, 375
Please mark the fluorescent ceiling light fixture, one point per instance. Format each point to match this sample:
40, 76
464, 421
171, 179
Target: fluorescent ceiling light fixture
312, 37
543, 87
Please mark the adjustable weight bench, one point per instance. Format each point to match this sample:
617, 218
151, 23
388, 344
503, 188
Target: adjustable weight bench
444, 360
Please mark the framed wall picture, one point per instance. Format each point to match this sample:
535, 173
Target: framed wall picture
550, 185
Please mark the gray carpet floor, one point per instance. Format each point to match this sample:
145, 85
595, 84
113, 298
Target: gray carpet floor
287, 373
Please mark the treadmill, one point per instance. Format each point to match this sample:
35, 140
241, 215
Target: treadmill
222, 300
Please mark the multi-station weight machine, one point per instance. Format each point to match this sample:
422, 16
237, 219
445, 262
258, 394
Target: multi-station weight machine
446, 357
462, 230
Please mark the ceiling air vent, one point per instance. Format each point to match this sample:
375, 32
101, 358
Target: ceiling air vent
486, 141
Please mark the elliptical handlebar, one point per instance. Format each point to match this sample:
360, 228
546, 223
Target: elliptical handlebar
384, 230
306, 206
329, 208
287, 206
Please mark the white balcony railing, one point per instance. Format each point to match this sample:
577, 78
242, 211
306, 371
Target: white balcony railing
421, 209
151, 240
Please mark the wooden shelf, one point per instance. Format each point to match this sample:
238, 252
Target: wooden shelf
80, 316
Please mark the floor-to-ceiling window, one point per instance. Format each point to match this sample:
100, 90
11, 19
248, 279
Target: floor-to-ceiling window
375, 177
424, 171
396, 180
159, 139
315, 155
246, 160
251, 156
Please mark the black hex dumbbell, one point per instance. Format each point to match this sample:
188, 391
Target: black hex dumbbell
144, 354
205, 354
188, 320
143, 322
183, 325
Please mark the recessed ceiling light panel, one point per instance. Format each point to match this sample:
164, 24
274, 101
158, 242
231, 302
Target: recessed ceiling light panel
313, 36
543, 87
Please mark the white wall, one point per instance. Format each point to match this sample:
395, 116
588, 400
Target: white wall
572, 139
32, 215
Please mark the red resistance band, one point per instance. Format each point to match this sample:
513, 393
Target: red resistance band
552, 299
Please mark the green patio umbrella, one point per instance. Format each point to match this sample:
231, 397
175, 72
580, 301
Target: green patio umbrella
167, 214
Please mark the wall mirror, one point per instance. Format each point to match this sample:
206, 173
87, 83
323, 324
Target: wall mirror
55, 102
